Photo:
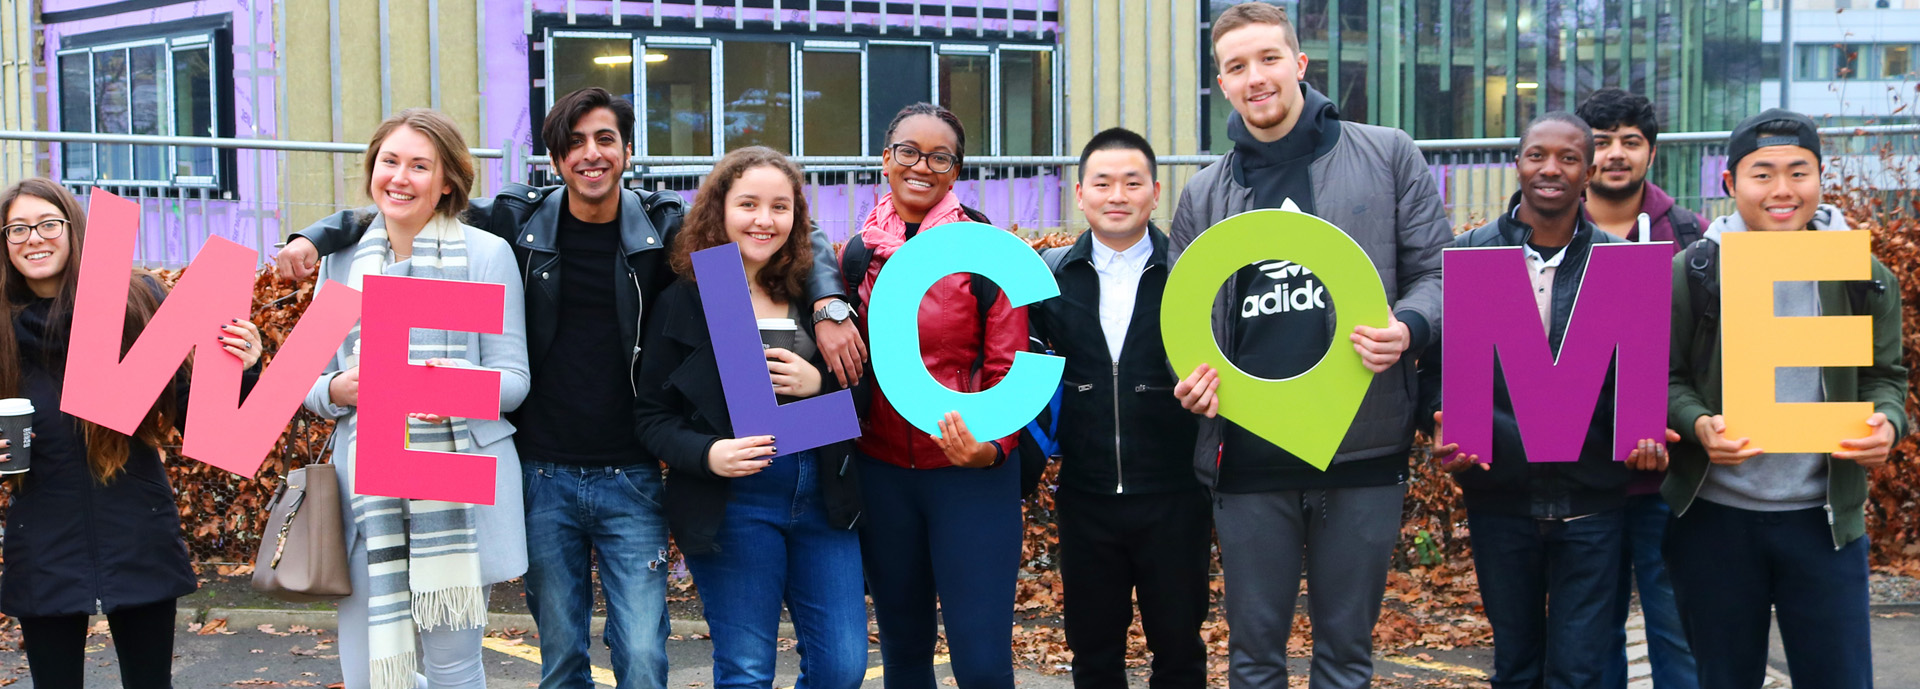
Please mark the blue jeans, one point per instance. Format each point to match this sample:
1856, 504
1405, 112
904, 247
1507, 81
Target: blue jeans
1523, 564
952, 535
1666, 642
775, 544
575, 517
1735, 571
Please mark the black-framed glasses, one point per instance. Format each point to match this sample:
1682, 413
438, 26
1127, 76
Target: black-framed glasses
909, 156
49, 229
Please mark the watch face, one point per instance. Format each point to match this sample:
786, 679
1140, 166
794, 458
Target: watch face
838, 310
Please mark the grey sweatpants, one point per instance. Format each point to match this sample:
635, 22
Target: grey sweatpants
450, 657
1345, 538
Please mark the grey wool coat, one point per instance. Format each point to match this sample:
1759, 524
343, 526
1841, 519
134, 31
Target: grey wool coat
502, 525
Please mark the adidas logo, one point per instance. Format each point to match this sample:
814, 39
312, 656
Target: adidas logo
1285, 296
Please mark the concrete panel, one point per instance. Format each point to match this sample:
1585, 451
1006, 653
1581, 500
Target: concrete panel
409, 57
360, 95
308, 190
459, 70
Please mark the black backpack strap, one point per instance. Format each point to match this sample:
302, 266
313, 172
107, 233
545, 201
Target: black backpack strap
1703, 296
853, 267
1686, 225
1860, 293
985, 293
975, 215
1054, 257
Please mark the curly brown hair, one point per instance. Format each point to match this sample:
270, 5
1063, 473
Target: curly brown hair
784, 277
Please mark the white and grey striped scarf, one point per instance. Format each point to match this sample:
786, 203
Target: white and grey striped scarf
423, 556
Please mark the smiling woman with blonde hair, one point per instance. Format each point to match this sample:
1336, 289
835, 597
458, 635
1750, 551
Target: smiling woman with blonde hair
422, 568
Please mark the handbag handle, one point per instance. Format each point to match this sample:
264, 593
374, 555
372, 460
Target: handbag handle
280, 544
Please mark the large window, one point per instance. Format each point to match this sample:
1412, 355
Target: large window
161, 86
1026, 102
1828, 61
702, 95
679, 106
759, 95
966, 88
830, 92
1895, 63
582, 60
906, 70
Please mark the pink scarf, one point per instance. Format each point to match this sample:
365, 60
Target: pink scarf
883, 231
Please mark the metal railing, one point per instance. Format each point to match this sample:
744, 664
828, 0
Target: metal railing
1031, 194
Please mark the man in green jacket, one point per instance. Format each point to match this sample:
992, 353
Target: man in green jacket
1757, 534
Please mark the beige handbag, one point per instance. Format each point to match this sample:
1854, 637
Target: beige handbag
303, 554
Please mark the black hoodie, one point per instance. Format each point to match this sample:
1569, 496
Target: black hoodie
1285, 314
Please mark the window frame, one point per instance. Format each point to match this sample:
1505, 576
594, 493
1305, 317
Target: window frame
800, 80
1054, 123
169, 44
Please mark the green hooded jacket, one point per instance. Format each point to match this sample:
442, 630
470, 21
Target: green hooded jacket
1692, 394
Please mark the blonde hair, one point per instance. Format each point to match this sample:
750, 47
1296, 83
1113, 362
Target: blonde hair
456, 165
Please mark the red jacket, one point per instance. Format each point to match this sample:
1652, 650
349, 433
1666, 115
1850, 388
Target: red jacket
950, 341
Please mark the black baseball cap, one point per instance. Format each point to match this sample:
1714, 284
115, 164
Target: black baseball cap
1782, 127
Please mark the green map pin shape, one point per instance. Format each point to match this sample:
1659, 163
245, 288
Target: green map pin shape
1308, 414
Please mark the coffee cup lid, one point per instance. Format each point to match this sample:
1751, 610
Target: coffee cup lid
15, 406
778, 324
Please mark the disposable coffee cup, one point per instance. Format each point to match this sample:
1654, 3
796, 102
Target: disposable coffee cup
779, 332
16, 420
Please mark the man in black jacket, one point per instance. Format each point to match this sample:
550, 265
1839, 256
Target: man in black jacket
594, 258
1133, 517
1546, 533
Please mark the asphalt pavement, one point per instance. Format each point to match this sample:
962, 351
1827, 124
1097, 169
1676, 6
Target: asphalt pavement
295, 651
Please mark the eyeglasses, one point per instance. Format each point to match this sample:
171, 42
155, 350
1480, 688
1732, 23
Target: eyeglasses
909, 156
50, 228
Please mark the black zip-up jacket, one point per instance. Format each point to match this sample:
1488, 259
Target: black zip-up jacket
75, 545
1121, 429
685, 412
1514, 486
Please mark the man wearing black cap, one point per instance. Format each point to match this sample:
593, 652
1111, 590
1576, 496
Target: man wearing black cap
1758, 534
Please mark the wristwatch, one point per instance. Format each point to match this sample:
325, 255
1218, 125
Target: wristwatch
837, 311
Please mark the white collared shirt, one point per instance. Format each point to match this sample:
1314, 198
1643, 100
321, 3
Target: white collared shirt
1542, 270
1119, 284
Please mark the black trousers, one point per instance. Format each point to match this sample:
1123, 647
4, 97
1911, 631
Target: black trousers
1737, 571
142, 637
1112, 546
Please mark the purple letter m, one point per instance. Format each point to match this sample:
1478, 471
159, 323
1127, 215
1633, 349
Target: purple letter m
1620, 317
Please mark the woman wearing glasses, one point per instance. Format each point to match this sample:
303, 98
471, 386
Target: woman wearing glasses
943, 514
92, 529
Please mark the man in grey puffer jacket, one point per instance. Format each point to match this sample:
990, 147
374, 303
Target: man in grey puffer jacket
1274, 320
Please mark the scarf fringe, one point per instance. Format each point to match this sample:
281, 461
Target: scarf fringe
395, 672
458, 607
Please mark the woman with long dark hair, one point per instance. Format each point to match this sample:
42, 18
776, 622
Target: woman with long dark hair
93, 528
